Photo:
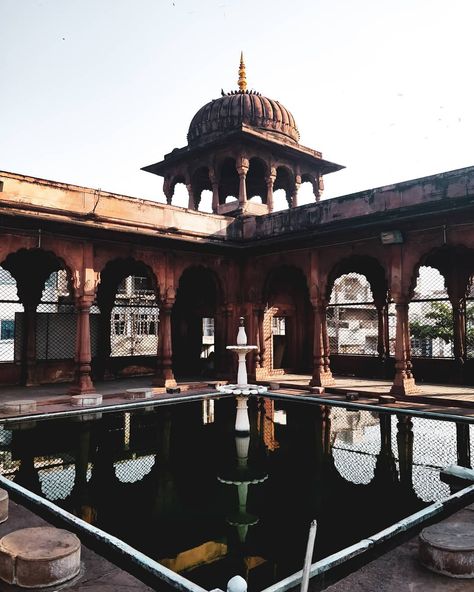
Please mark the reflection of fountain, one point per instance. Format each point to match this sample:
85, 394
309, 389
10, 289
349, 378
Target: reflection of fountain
242, 349
242, 476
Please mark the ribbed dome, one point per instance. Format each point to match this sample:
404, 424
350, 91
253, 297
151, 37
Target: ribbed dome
242, 107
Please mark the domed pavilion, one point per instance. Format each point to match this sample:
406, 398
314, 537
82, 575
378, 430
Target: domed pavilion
241, 146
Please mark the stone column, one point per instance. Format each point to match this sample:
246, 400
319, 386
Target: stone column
322, 375
164, 369
404, 382
270, 180
215, 192
83, 381
167, 190
191, 198
294, 195
242, 169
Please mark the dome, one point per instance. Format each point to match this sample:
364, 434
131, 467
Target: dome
242, 107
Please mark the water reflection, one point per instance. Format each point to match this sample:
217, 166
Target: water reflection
178, 484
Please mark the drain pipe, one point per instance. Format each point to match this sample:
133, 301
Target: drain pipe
309, 556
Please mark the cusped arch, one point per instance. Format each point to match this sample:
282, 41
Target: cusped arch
454, 262
365, 265
117, 270
31, 268
200, 273
289, 276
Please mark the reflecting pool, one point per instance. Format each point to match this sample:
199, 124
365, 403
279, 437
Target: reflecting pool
179, 484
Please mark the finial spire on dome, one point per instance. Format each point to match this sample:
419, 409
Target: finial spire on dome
242, 75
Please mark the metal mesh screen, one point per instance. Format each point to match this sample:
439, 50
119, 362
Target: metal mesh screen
431, 317
134, 319
10, 318
470, 322
352, 316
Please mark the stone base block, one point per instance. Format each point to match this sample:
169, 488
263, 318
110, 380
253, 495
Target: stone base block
352, 396
39, 557
139, 393
316, 390
20, 406
173, 390
3, 505
387, 399
448, 548
274, 386
166, 382
405, 386
86, 400
322, 379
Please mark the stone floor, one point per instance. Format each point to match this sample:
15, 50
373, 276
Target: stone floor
400, 571
97, 574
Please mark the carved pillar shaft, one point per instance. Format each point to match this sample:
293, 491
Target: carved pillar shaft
29, 345
215, 196
463, 444
294, 195
403, 383
322, 375
270, 181
242, 170
191, 197
405, 449
459, 328
164, 369
83, 381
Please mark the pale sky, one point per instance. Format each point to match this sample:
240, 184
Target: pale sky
92, 90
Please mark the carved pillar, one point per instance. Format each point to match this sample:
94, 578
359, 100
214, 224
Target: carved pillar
242, 169
404, 382
322, 375
405, 449
319, 188
83, 381
167, 190
294, 195
191, 199
164, 368
215, 191
270, 180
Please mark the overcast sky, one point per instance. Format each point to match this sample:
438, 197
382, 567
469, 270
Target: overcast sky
92, 90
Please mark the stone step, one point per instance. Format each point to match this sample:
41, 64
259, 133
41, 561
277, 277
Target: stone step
448, 548
39, 557
139, 393
20, 406
90, 400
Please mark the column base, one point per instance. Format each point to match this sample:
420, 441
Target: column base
322, 379
404, 386
164, 382
85, 387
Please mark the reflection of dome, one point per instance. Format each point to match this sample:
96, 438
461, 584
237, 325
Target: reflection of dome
240, 107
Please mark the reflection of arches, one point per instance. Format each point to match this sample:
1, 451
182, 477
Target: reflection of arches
228, 180
288, 320
195, 314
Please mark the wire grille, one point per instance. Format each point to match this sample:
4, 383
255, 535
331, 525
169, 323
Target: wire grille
352, 318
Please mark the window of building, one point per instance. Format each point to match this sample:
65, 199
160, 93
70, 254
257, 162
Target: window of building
208, 327
119, 324
278, 326
145, 324
7, 329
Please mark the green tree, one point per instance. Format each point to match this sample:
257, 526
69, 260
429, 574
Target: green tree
438, 322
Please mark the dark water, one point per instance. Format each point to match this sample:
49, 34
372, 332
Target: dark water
176, 483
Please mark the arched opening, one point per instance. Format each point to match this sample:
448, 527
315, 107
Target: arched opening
431, 316
205, 204
360, 318
201, 182
195, 323
284, 180
352, 316
179, 192
127, 298
256, 184
307, 190
228, 181
287, 322
38, 321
